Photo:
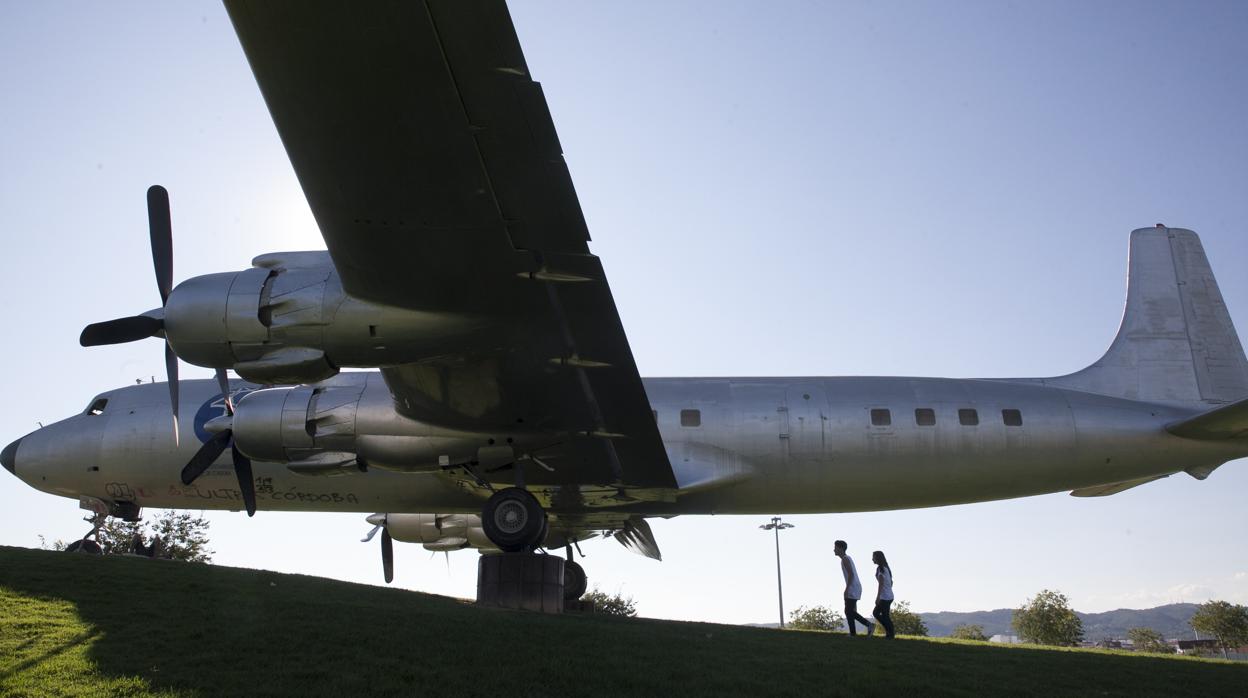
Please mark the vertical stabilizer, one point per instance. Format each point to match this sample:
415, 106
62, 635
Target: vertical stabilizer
1176, 343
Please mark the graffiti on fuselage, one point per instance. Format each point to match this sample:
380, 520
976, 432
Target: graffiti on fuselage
264, 491
214, 407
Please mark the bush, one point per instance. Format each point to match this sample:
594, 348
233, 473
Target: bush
183, 536
907, 622
815, 618
964, 631
609, 605
1148, 640
1048, 619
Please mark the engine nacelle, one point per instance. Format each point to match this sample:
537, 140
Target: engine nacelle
288, 321
439, 531
349, 424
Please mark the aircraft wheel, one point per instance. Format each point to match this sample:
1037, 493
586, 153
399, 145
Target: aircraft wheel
86, 545
541, 538
514, 520
574, 581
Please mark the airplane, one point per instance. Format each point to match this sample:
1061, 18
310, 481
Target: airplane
503, 409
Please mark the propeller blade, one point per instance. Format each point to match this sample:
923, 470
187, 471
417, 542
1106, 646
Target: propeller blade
223, 382
387, 555
206, 456
246, 484
171, 368
120, 331
161, 229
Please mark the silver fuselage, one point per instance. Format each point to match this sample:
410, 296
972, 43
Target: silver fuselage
755, 445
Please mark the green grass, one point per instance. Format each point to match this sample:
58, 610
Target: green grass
75, 625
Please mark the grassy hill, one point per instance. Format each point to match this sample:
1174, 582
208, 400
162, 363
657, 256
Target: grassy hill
81, 625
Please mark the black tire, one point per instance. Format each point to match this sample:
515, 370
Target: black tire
574, 581
85, 545
541, 538
514, 520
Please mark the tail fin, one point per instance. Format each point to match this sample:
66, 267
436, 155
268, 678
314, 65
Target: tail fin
1176, 343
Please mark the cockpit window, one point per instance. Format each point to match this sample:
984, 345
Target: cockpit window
97, 407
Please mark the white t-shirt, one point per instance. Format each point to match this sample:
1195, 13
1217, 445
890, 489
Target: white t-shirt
853, 587
884, 576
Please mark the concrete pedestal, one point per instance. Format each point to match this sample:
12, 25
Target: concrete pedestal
526, 581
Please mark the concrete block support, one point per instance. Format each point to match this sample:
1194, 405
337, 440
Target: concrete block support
525, 581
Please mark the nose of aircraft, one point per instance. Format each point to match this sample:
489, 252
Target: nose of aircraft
8, 457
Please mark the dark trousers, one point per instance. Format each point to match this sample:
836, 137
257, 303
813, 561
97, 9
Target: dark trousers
881, 614
851, 615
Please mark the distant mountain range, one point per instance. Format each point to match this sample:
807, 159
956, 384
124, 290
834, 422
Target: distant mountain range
1170, 620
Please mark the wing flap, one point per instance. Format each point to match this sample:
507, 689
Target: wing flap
1113, 487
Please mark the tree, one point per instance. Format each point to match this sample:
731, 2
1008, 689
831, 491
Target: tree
1148, 640
183, 536
907, 622
1048, 619
964, 631
115, 535
815, 618
610, 605
1226, 622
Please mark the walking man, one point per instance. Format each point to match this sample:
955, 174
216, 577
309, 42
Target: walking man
853, 589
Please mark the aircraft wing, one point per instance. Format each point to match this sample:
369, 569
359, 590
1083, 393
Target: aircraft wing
431, 164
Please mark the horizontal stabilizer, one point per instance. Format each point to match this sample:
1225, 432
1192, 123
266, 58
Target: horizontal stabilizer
1225, 422
1113, 487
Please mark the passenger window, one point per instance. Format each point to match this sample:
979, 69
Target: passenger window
1012, 418
691, 418
881, 418
97, 407
968, 417
925, 417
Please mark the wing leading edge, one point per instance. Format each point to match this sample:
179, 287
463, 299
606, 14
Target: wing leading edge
431, 164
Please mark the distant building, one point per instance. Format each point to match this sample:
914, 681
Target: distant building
1205, 646
1006, 639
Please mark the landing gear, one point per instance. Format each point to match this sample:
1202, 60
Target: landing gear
514, 520
86, 544
574, 581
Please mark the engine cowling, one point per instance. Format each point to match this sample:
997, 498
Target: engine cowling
439, 531
348, 424
288, 321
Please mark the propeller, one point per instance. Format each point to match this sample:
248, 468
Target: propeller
387, 544
223, 438
387, 556
152, 323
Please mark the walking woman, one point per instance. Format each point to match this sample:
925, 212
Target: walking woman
883, 597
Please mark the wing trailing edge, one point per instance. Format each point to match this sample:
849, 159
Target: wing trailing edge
1113, 487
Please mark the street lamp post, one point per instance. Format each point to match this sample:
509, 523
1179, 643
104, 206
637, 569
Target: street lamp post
777, 526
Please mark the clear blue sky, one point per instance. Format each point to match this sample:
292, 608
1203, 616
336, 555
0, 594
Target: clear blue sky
775, 189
